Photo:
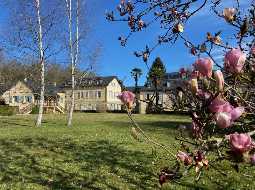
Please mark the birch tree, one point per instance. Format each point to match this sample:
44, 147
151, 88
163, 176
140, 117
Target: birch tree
74, 55
41, 58
35, 34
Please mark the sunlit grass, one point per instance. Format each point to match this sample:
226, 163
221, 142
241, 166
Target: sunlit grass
98, 152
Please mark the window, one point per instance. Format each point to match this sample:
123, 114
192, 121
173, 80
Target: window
86, 94
168, 84
110, 94
78, 95
22, 99
82, 94
16, 99
91, 94
98, 94
147, 96
28, 99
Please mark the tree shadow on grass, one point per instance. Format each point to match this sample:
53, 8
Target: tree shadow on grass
64, 164
15, 123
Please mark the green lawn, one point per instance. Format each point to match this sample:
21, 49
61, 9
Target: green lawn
98, 152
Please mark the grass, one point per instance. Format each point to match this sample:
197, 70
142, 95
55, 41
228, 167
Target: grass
98, 152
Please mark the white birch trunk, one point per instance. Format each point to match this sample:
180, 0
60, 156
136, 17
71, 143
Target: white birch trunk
71, 107
40, 45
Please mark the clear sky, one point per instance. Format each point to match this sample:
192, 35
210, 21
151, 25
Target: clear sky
119, 61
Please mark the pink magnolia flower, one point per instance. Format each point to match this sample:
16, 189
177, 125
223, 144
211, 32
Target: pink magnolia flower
185, 158
226, 119
234, 61
223, 119
220, 105
229, 14
236, 113
204, 66
252, 158
219, 80
127, 98
240, 143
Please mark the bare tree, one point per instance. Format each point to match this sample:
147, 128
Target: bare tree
73, 55
35, 34
41, 58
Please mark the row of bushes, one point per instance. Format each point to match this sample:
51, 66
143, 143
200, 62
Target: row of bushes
8, 110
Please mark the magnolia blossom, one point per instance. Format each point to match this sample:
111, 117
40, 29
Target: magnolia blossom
252, 159
225, 113
234, 61
127, 98
229, 14
240, 143
220, 105
223, 119
236, 113
226, 119
185, 158
219, 80
204, 66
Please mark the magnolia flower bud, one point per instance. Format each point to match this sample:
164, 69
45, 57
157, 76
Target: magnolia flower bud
140, 24
194, 86
217, 40
219, 80
127, 98
134, 133
185, 158
229, 14
178, 28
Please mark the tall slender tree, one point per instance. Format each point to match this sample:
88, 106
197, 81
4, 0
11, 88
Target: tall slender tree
155, 75
74, 55
41, 58
136, 74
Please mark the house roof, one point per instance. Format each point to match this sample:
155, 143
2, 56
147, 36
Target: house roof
92, 82
5, 87
50, 89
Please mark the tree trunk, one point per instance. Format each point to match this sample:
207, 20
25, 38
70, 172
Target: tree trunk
157, 95
40, 45
71, 109
73, 59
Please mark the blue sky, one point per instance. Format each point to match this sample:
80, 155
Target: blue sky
119, 61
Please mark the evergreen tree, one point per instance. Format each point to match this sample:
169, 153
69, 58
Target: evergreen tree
155, 75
